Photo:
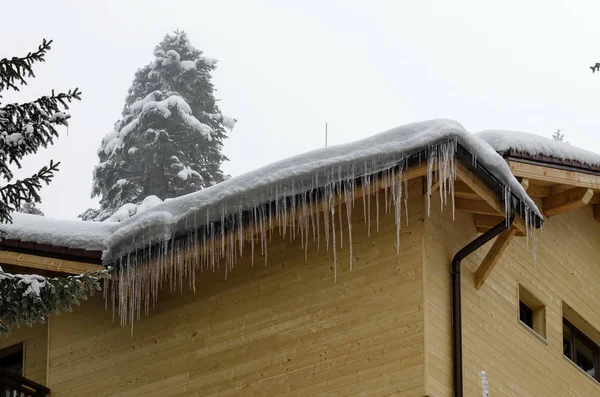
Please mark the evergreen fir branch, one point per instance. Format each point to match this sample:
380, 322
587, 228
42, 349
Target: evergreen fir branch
28, 299
26, 127
14, 195
14, 71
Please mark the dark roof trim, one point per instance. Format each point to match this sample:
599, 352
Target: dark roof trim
554, 162
52, 251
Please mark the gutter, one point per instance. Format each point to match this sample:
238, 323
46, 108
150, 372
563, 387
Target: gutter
457, 366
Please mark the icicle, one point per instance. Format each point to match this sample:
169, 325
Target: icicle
386, 185
312, 213
430, 166
339, 198
406, 200
377, 201
348, 199
318, 216
333, 238
368, 205
293, 214
325, 200
363, 185
252, 229
284, 216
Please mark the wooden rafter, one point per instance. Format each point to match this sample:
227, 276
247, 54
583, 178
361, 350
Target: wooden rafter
487, 221
539, 190
475, 207
45, 263
525, 183
567, 200
479, 187
461, 190
554, 175
493, 256
483, 223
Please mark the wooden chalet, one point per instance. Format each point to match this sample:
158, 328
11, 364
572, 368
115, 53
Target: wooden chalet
480, 281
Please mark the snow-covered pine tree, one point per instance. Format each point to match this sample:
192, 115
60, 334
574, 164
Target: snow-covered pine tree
169, 140
31, 208
24, 128
557, 136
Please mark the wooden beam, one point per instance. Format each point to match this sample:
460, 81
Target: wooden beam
554, 175
525, 183
461, 190
492, 257
45, 263
487, 221
479, 187
483, 223
539, 191
597, 212
566, 201
558, 189
474, 207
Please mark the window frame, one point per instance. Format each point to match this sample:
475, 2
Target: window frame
587, 342
18, 348
536, 309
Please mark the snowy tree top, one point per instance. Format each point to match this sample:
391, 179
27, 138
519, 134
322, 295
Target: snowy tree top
180, 215
534, 145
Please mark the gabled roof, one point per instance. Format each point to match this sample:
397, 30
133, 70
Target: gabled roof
397, 147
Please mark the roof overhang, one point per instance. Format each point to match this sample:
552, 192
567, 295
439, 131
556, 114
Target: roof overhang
558, 185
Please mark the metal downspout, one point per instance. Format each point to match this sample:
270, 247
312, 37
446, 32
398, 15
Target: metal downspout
457, 372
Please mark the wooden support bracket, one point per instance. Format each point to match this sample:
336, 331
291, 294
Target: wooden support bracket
492, 257
479, 187
568, 200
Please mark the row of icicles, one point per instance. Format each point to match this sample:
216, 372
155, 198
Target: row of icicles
213, 246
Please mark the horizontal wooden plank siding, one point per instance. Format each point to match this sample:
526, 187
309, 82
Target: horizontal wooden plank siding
284, 329
35, 349
518, 362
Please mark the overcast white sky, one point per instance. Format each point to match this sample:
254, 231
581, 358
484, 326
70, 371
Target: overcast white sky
287, 67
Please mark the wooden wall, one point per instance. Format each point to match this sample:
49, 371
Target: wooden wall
285, 329
518, 363
35, 349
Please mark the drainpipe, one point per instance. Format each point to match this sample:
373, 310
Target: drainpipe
456, 300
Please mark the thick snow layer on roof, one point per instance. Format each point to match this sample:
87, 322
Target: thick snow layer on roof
283, 178
535, 145
65, 233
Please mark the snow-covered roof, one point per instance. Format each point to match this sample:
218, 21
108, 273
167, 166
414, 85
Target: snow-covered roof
536, 145
59, 232
283, 178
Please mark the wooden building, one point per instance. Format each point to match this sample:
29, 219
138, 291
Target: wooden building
381, 319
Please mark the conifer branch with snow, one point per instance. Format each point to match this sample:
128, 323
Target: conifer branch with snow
28, 298
26, 127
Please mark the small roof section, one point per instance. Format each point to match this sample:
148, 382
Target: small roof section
285, 178
538, 148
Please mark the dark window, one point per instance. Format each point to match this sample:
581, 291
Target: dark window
532, 312
526, 314
581, 350
11, 358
